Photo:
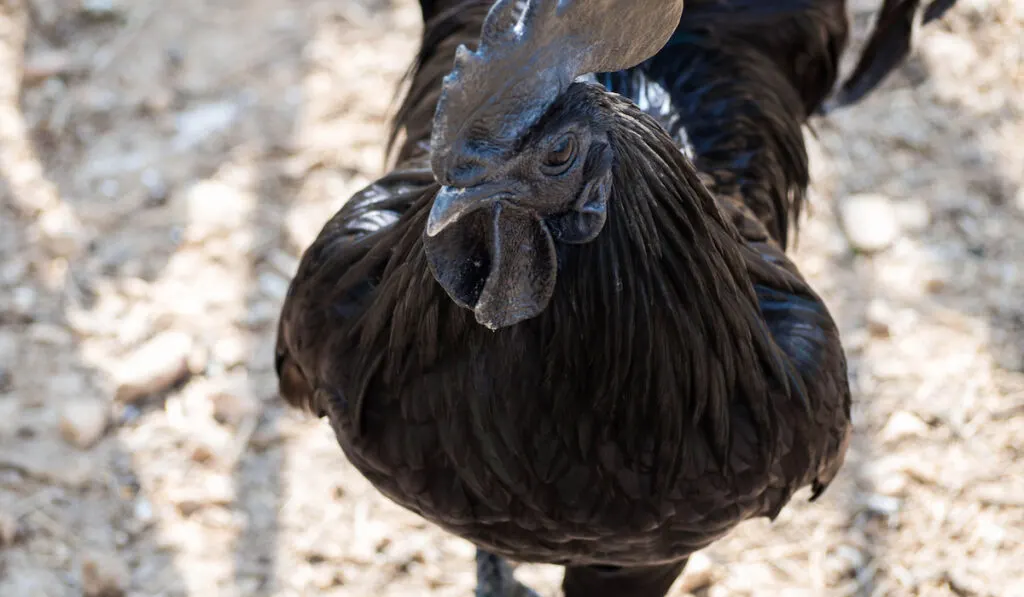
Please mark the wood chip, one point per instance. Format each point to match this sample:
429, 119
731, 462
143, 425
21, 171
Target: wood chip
869, 222
903, 424
10, 530
104, 576
155, 367
84, 421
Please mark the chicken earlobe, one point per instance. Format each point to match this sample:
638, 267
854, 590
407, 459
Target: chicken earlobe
499, 261
585, 221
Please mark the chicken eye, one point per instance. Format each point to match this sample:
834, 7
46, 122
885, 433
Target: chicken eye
561, 154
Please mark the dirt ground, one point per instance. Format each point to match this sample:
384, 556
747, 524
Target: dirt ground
162, 165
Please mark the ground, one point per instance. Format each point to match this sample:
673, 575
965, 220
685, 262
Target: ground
162, 166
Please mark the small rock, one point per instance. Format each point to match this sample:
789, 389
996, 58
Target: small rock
869, 222
126, 414
265, 437
144, 511
854, 557
10, 530
962, 582
746, 578
188, 505
156, 186
325, 577
13, 271
925, 471
46, 14
304, 222
249, 585
158, 101
273, 286
9, 344
67, 385
234, 404
215, 209
48, 333
958, 56
934, 285
203, 122
878, 317
218, 490
46, 64
1000, 494
50, 462
10, 416
198, 359
990, 533
363, 548
230, 350
6, 379
903, 424
23, 301
894, 485
33, 581
110, 188
913, 215
283, 263
883, 504
103, 576
101, 101
62, 231
134, 326
455, 546
259, 314
843, 564
699, 574
202, 453
100, 8
84, 421
154, 367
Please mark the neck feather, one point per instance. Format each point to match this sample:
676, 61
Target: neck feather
664, 304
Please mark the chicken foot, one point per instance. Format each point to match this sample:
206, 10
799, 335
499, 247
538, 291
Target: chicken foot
494, 578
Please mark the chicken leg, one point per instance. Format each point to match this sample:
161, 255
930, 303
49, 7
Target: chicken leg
612, 581
495, 578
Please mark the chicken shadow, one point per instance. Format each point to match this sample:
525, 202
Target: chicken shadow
74, 509
142, 223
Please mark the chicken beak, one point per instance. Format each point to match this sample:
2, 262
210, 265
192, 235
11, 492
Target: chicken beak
453, 203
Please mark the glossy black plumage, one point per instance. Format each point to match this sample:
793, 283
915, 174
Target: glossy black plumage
888, 45
683, 376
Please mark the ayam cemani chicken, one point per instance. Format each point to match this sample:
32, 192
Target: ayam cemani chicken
564, 326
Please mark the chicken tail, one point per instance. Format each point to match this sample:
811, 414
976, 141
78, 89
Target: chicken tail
889, 44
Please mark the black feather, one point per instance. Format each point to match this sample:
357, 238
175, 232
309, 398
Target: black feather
888, 45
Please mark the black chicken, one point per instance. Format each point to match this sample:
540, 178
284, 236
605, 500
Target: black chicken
564, 327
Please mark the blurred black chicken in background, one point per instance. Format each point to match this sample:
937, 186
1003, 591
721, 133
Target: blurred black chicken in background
563, 326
